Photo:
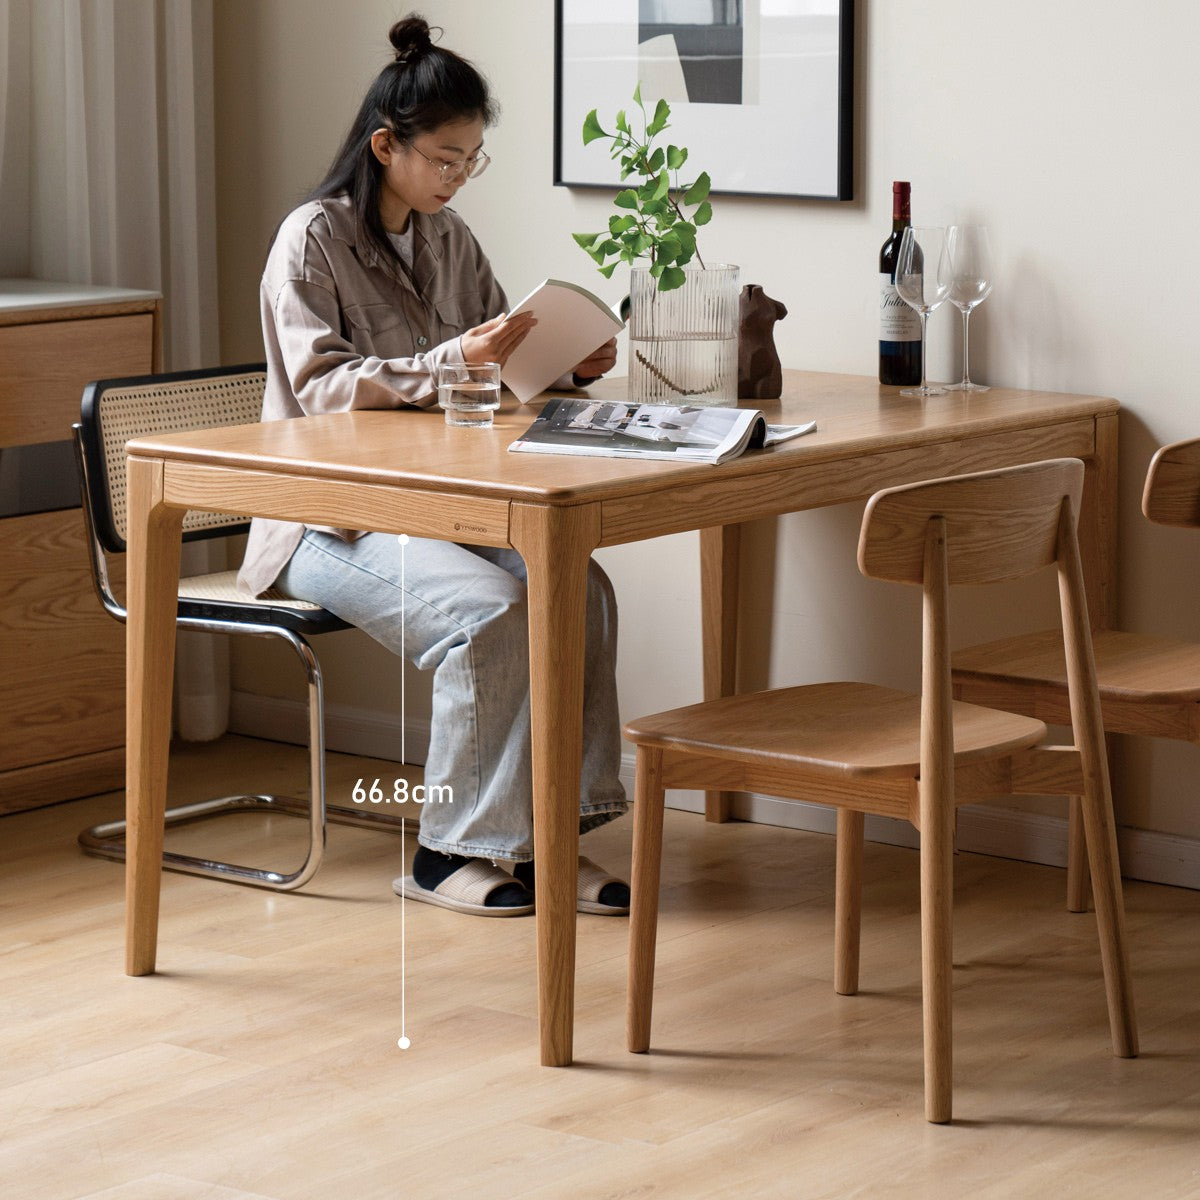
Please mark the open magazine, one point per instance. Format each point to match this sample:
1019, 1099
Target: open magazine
624, 429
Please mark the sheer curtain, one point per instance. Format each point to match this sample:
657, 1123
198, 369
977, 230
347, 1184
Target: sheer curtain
106, 168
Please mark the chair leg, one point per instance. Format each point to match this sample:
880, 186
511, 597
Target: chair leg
107, 840
649, 797
937, 951
1101, 833
1079, 882
1078, 879
847, 921
1099, 822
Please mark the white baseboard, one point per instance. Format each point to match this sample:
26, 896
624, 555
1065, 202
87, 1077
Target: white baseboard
348, 730
1003, 832
1164, 858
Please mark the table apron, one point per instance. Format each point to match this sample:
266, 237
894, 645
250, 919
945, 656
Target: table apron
345, 505
718, 499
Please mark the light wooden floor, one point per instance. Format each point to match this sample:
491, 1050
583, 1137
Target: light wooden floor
262, 1060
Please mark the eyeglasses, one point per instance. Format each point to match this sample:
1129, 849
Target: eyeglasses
470, 168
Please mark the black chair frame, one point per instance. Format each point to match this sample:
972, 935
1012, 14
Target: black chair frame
112, 412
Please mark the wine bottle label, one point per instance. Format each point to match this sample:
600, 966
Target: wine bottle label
898, 321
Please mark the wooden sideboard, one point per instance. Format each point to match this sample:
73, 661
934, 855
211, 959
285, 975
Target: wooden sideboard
62, 658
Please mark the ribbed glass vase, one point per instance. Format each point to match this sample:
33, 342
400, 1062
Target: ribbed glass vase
683, 344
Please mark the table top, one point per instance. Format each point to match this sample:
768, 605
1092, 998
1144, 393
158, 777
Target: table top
21, 296
415, 448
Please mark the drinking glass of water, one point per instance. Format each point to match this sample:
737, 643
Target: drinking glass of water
469, 392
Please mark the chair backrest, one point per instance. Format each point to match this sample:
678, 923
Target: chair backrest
116, 410
998, 524
1172, 493
983, 528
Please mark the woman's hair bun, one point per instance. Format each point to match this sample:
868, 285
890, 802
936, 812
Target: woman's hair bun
410, 38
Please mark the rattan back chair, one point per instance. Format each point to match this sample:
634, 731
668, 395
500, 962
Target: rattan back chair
113, 412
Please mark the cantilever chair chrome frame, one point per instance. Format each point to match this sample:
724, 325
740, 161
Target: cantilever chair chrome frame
114, 411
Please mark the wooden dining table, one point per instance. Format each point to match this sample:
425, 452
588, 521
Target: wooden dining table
408, 472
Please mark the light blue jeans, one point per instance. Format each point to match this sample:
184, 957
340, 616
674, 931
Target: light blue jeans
465, 617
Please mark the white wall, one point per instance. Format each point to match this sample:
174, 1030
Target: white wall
1069, 128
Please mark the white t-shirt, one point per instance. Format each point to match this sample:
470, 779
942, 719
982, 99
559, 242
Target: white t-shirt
402, 243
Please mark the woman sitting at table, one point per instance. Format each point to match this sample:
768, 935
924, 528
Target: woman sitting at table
369, 285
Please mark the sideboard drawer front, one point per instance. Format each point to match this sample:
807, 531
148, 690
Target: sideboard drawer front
64, 656
44, 367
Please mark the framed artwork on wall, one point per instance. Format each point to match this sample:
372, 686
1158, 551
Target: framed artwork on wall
761, 91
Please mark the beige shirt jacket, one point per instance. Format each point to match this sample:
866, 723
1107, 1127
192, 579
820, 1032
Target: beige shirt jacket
344, 329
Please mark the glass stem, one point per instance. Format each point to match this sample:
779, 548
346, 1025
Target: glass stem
966, 379
924, 320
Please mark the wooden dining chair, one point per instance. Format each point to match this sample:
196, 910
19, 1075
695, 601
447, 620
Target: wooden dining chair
1149, 686
865, 748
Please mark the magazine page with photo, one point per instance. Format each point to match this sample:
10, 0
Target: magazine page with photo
624, 429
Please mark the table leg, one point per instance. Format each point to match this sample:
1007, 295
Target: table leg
153, 582
1097, 537
556, 544
1098, 527
720, 559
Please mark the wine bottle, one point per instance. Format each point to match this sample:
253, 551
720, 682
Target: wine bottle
899, 324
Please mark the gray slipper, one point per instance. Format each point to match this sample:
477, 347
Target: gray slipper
592, 880
466, 890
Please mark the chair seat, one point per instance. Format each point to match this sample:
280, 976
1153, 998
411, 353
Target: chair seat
1129, 666
215, 597
849, 728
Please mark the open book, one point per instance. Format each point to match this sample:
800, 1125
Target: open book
623, 429
572, 322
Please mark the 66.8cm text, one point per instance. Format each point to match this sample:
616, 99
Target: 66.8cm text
402, 793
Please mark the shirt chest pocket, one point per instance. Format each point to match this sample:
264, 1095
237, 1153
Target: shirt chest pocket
451, 318
379, 329
389, 331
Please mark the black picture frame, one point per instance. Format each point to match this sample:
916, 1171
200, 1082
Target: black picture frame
762, 100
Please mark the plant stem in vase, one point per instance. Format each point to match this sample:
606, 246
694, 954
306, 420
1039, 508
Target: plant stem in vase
683, 343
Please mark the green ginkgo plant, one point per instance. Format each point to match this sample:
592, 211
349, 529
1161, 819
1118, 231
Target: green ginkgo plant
653, 221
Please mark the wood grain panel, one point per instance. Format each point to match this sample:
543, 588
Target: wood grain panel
45, 368
722, 499
63, 655
476, 520
63, 779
